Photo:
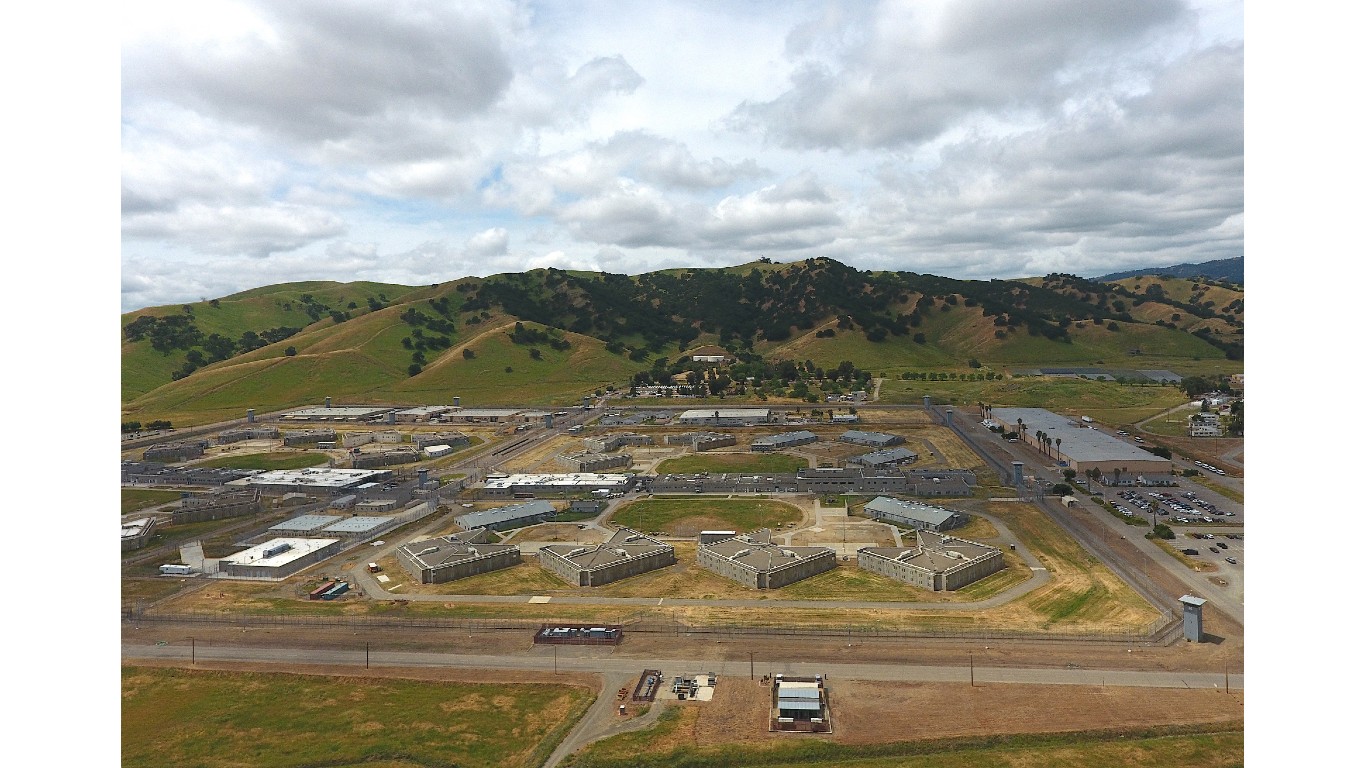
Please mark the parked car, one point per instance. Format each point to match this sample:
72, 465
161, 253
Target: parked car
1215, 551
1221, 545
1231, 561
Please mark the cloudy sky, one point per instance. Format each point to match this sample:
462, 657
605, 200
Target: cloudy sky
418, 142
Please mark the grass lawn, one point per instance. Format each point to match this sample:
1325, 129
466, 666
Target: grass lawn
279, 460
757, 463
184, 717
133, 499
1227, 493
685, 517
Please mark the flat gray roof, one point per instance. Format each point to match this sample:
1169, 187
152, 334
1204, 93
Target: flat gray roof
624, 545
337, 412
305, 523
913, 510
934, 552
358, 524
757, 551
1079, 442
505, 514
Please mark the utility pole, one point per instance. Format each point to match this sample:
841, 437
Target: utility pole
192, 650
367, 654
751, 667
972, 674
556, 649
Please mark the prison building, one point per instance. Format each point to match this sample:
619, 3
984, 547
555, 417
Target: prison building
726, 417
628, 553
302, 437
247, 433
422, 413
136, 533
178, 451
937, 562
304, 524
612, 442
701, 441
360, 527
755, 561
376, 505
485, 415
593, 462
453, 439
914, 514
277, 558
437, 451
852, 480
1078, 446
892, 457
217, 506
782, 440
575, 483
356, 439
503, 518
457, 556
156, 473
323, 479
845, 418
339, 413
871, 439
943, 485
385, 458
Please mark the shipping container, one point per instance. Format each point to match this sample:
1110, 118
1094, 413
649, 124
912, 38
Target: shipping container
318, 593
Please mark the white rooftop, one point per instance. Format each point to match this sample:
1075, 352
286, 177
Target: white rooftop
426, 410
725, 413
357, 524
305, 523
297, 549
572, 479
342, 412
314, 477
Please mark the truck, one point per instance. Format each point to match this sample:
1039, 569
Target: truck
1086, 419
176, 570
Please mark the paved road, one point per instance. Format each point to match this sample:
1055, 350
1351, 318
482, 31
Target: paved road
610, 665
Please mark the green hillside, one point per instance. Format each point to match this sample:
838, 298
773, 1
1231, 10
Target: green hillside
548, 336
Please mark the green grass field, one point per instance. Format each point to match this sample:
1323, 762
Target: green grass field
133, 499
1105, 401
267, 461
673, 514
203, 718
758, 463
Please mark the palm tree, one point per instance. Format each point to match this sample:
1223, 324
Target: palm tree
1057, 443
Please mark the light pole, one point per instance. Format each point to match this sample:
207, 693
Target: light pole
972, 674
192, 650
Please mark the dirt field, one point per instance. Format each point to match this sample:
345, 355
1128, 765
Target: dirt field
542, 457
873, 713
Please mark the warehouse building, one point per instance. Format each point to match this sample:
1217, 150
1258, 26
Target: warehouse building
937, 562
304, 524
571, 483
593, 462
339, 413
872, 439
852, 480
436, 451
753, 560
277, 558
782, 441
891, 457
914, 514
1080, 447
503, 518
628, 553
727, 417
447, 558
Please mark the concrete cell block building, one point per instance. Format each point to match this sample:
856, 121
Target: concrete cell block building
300, 438
628, 553
872, 439
782, 441
278, 558
890, 457
937, 562
457, 556
180, 451
593, 462
753, 560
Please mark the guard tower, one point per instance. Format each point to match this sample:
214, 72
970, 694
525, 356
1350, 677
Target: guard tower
1194, 617
926, 400
1018, 473
251, 415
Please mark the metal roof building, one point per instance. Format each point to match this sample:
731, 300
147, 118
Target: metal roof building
783, 440
502, 518
360, 526
570, 482
729, 417
1081, 447
306, 523
888, 458
874, 439
316, 478
339, 413
914, 514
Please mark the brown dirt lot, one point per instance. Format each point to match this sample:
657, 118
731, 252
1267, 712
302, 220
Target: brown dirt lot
872, 713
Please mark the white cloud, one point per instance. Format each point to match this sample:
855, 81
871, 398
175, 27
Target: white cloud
424, 140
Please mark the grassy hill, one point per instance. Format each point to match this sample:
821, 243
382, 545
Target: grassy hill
549, 336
